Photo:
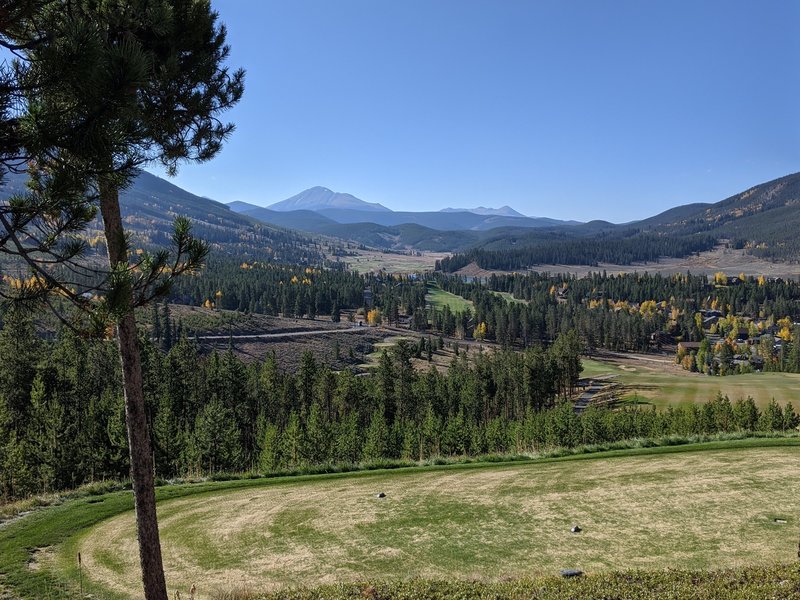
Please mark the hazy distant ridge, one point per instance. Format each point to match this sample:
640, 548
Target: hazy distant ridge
503, 211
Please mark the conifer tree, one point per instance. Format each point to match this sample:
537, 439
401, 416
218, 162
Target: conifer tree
102, 89
269, 458
377, 438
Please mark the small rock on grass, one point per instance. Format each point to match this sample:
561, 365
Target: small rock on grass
571, 572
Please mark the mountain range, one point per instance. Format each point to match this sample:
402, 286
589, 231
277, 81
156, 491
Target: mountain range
763, 219
320, 210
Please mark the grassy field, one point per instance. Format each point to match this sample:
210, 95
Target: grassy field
368, 261
438, 298
662, 383
710, 509
510, 298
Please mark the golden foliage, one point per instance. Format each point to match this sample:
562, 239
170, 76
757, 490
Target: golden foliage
374, 317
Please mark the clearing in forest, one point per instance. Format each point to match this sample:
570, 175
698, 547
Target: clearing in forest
438, 298
659, 381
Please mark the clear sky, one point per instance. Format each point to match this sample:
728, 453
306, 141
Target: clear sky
567, 109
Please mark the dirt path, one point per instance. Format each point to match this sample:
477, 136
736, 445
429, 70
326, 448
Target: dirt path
268, 336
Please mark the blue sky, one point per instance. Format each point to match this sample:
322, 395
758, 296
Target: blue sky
567, 109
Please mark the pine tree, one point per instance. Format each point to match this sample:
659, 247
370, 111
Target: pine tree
156, 321
293, 442
43, 430
318, 435
113, 87
348, 441
269, 458
746, 414
772, 418
19, 348
166, 339
217, 437
377, 437
790, 418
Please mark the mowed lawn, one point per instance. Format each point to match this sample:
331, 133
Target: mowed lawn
438, 298
670, 385
510, 297
703, 509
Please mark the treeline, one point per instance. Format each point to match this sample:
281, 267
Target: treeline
269, 288
578, 251
295, 290
617, 312
62, 418
62, 415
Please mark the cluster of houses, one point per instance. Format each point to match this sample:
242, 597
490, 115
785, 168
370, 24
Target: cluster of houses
743, 350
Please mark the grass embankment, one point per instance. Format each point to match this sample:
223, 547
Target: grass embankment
660, 507
662, 386
438, 298
749, 583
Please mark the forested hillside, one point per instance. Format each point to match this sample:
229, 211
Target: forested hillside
764, 219
150, 205
62, 419
520, 252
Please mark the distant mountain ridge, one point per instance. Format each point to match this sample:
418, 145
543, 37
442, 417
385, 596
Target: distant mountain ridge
322, 210
503, 211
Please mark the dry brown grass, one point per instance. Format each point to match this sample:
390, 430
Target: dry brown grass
703, 509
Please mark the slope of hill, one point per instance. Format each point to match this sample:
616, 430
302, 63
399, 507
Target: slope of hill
764, 219
150, 204
303, 220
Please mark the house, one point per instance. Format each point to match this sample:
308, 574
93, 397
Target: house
689, 346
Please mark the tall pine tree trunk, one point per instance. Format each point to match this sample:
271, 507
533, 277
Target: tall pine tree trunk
155, 587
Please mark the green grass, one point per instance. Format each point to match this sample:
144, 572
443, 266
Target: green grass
187, 513
510, 298
663, 387
371, 359
438, 298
